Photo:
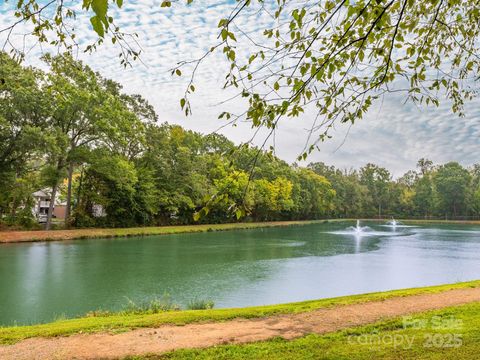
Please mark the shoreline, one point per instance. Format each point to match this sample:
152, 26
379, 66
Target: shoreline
118, 323
14, 236
97, 233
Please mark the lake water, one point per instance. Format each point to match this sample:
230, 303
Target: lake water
43, 281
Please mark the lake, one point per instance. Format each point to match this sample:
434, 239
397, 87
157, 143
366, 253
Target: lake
40, 282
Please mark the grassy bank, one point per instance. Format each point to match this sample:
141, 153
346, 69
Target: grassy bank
117, 323
423, 221
446, 222
452, 333
73, 234
56, 235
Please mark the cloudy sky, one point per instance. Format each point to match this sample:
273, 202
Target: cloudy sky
394, 134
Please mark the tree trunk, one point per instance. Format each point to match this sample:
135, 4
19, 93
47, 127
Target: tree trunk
69, 195
79, 190
50, 207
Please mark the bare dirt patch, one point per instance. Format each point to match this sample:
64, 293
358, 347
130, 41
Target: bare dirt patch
169, 337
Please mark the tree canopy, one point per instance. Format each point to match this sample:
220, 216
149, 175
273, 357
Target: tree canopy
105, 155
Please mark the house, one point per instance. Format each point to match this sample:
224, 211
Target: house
42, 204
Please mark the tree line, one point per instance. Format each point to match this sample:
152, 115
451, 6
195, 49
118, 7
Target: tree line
72, 131
77, 134
448, 191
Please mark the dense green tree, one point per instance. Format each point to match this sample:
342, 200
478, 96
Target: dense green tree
232, 190
424, 198
452, 184
180, 167
89, 111
350, 195
126, 193
23, 108
16, 197
272, 198
313, 195
475, 202
376, 179
408, 179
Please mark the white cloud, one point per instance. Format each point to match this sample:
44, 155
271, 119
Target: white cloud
393, 135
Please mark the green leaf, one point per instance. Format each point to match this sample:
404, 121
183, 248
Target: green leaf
224, 34
222, 23
232, 36
196, 216
238, 213
97, 26
100, 8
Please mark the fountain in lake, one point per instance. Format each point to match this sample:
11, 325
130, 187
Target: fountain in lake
396, 224
393, 223
359, 230
356, 231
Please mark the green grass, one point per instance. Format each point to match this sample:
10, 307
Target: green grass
125, 322
95, 233
363, 342
153, 306
200, 304
55, 235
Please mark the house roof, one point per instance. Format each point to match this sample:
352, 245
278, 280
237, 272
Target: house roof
41, 193
45, 193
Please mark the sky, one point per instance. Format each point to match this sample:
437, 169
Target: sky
394, 134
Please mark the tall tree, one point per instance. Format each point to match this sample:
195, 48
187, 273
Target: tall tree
425, 166
89, 110
23, 110
424, 198
452, 183
313, 194
350, 195
376, 179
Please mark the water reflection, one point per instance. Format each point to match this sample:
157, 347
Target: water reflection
236, 268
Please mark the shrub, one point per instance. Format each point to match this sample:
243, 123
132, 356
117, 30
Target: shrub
200, 304
151, 306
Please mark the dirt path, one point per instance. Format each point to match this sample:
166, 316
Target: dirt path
169, 337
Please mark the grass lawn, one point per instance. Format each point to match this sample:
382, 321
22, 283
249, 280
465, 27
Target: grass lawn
452, 333
117, 323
